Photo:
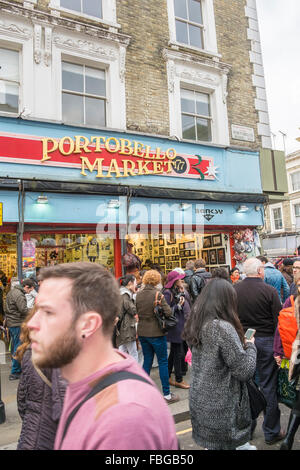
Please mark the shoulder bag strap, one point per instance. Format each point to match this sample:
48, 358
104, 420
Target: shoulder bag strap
101, 385
42, 375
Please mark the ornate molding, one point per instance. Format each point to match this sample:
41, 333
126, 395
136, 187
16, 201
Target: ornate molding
122, 63
89, 47
15, 31
48, 47
37, 54
49, 19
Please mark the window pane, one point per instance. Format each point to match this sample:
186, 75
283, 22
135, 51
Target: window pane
187, 101
95, 112
297, 223
188, 127
9, 62
71, 4
72, 77
9, 97
181, 32
203, 130
195, 14
195, 36
92, 8
202, 104
95, 82
296, 181
72, 108
297, 210
180, 9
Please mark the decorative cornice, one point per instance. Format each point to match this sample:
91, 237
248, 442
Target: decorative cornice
89, 47
74, 25
14, 30
176, 56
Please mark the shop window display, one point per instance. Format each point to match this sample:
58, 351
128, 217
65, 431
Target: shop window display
51, 249
8, 254
173, 251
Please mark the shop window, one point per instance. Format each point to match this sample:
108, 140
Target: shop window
174, 251
86, 7
83, 95
189, 22
195, 115
8, 255
295, 179
9, 81
52, 249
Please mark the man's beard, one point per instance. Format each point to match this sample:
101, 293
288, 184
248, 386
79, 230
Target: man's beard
61, 353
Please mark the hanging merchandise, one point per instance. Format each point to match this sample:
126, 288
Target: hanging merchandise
92, 250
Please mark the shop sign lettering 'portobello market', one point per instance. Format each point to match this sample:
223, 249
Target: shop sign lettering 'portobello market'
107, 157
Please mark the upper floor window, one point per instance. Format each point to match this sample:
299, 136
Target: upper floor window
86, 7
195, 115
189, 22
277, 218
297, 215
83, 95
295, 178
9, 81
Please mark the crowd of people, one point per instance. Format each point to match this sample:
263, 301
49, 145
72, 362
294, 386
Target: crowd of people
77, 354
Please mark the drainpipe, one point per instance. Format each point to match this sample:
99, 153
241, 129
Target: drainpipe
20, 232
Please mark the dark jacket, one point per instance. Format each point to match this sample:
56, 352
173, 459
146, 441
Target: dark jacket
198, 281
182, 313
126, 329
148, 324
258, 306
15, 307
188, 275
39, 406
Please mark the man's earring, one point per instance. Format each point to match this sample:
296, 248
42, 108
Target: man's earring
82, 336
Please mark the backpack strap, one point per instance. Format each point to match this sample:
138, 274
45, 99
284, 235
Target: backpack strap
101, 385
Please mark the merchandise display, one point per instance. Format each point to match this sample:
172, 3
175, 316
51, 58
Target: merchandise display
173, 251
8, 254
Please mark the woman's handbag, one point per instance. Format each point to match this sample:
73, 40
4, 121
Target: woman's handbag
286, 390
256, 397
165, 323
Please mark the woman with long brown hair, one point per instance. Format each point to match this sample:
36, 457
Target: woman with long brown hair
40, 398
222, 362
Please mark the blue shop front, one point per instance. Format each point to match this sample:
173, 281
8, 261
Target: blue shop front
76, 194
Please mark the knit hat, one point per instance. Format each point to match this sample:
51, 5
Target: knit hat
172, 277
288, 262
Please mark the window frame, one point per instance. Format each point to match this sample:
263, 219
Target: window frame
14, 49
272, 219
293, 203
195, 116
192, 23
209, 34
292, 190
109, 15
84, 94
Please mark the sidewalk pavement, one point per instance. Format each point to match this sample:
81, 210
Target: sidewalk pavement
10, 430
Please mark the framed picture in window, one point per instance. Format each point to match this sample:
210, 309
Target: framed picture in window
217, 240
172, 240
205, 256
212, 257
161, 242
161, 260
183, 262
181, 246
207, 242
156, 260
221, 256
155, 242
161, 251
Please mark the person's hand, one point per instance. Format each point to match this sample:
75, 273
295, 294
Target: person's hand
136, 317
181, 301
252, 340
278, 360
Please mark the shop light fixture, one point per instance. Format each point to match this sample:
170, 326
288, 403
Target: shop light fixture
42, 200
183, 206
242, 209
113, 204
257, 208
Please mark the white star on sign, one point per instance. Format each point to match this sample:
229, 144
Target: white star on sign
211, 170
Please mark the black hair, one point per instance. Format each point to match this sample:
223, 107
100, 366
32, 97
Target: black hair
28, 282
263, 259
217, 300
234, 269
221, 273
125, 280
